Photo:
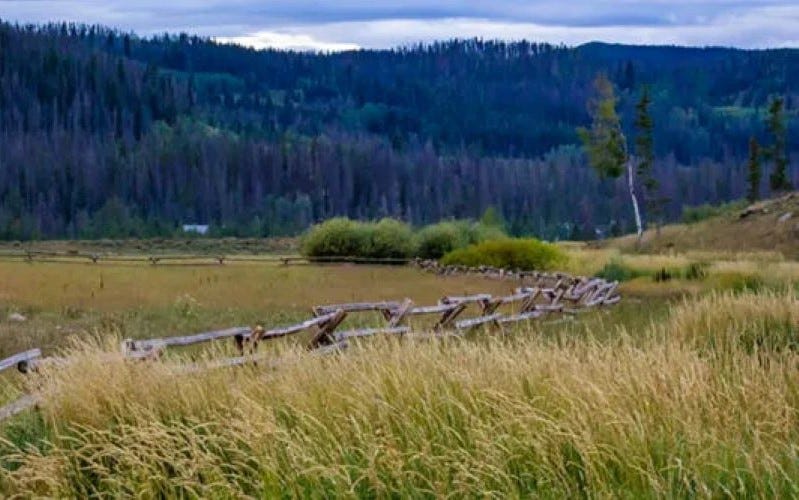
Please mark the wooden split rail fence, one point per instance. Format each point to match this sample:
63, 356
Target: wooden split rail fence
548, 294
187, 259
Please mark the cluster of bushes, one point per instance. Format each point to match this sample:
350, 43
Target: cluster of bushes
389, 238
617, 270
508, 253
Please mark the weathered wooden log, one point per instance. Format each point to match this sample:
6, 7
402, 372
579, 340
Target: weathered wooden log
152, 353
356, 307
532, 293
448, 317
437, 309
288, 330
21, 361
465, 324
465, 299
18, 406
368, 332
601, 294
448, 313
433, 335
324, 330
581, 289
550, 308
491, 305
396, 316
515, 318
184, 340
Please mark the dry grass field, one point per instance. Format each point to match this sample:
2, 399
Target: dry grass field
685, 389
266, 287
62, 300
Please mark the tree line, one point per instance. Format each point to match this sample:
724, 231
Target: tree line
106, 134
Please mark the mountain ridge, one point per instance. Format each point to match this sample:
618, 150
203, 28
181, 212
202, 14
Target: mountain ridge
99, 126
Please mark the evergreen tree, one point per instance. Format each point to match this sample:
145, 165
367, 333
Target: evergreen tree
604, 142
492, 218
645, 150
754, 172
778, 150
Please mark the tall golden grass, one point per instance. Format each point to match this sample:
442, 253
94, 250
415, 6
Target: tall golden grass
682, 408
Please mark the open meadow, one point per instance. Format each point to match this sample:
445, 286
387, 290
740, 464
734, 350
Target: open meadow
685, 388
387, 250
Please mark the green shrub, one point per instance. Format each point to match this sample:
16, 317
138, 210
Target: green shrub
436, 240
338, 237
616, 270
479, 232
508, 253
389, 238
492, 218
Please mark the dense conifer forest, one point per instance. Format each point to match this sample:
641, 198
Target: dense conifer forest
106, 134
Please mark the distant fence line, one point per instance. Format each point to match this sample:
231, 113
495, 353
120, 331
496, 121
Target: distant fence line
188, 259
544, 294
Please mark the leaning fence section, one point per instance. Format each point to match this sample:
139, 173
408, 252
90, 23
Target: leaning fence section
540, 295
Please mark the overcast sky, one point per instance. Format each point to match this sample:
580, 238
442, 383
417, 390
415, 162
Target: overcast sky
347, 24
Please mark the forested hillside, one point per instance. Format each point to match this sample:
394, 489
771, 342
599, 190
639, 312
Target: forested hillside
104, 134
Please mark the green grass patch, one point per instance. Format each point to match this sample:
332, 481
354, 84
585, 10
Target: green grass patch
617, 270
699, 213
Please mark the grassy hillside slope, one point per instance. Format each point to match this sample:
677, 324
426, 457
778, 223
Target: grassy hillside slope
771, 225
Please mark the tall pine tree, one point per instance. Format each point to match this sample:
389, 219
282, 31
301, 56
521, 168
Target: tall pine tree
645, 151
778, 150
754, 173
605, 143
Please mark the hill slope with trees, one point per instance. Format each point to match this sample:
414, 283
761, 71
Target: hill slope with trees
105, 134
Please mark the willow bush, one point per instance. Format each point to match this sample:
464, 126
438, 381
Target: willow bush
390, 238
508, 253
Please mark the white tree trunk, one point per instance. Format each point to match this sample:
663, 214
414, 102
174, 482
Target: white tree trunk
631, 185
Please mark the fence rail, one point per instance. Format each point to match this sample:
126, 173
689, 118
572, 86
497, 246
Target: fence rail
21, 361
188, 259
543, 295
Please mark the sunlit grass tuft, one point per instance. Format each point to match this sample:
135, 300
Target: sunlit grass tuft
720, 322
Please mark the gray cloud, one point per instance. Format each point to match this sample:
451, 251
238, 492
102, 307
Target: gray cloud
336, 25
